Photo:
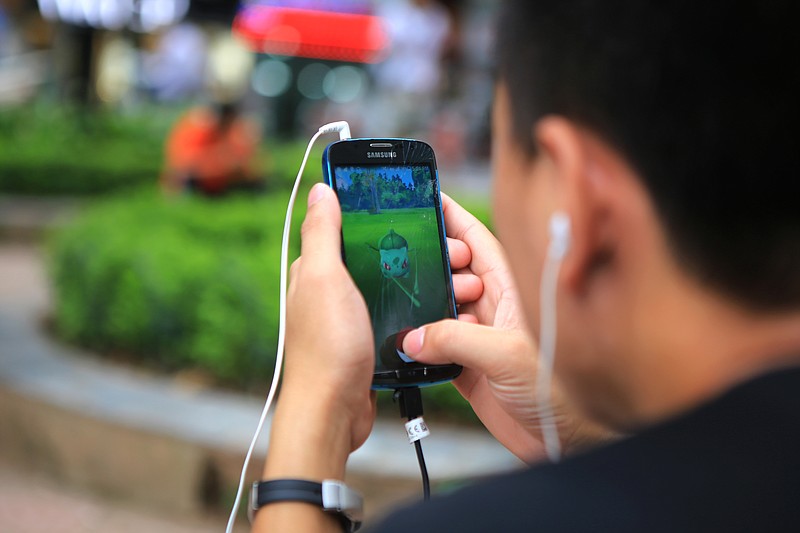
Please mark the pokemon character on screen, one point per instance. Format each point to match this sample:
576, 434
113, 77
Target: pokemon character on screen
394, 263
394, 255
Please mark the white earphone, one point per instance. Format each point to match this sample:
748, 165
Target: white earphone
560, 234
560, 229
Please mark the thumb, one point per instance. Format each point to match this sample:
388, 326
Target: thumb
320, 234
486, 349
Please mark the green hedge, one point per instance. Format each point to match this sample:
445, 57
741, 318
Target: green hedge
50, 150
177, 283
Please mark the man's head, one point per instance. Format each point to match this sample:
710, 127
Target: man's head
663, 127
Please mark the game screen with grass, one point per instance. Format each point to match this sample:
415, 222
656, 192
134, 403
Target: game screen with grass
393, 250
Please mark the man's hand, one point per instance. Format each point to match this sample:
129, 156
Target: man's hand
329, 345
325, 409
491, 342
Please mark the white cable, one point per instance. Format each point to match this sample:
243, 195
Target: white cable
547, 348
343, 128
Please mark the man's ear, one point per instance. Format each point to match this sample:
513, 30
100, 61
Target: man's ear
576, 176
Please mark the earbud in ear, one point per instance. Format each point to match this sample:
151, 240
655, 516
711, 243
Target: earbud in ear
560, 234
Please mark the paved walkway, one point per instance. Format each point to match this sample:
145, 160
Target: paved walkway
35, 367
33, 503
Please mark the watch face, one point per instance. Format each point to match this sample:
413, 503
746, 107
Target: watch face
253, 503
338, 497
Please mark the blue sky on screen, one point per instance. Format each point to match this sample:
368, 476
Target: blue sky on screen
343, 174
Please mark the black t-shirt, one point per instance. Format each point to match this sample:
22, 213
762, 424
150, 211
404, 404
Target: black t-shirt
730, 465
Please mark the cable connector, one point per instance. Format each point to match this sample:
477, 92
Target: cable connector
341, 127
410, 400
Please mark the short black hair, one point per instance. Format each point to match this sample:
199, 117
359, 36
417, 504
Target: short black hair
701, 98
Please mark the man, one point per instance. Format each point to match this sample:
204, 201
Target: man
667, 136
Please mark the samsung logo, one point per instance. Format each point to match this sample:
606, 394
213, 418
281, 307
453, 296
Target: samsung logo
381, 155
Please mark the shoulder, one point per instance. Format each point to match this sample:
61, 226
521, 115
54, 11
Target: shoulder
730, 465
544, 497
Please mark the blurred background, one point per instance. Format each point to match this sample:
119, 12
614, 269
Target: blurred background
147, 151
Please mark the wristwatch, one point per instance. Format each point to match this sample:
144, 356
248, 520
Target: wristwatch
332, 496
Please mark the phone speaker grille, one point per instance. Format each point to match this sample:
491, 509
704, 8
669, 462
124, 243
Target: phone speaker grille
380, 145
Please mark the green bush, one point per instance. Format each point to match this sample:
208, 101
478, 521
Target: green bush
49, 150
179, 283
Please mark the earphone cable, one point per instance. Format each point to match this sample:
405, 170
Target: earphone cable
547, 346
344, 131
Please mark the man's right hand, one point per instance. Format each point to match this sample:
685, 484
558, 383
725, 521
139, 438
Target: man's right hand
498, 353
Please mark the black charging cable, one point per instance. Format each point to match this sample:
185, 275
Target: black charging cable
410, 400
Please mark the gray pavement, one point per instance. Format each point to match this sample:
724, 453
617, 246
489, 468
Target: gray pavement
33, 503
37, 369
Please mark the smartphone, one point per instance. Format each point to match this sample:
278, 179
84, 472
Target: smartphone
395, 247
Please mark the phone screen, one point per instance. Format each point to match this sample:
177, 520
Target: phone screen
395, 251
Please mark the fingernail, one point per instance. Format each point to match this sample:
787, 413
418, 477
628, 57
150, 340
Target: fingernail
316, 193
412, 344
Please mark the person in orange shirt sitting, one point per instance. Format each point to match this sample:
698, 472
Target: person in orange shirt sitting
211, 151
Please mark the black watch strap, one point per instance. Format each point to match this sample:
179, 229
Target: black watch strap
295, 490
332, 496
